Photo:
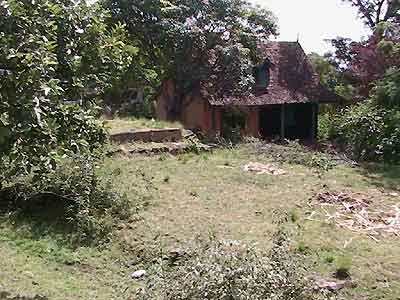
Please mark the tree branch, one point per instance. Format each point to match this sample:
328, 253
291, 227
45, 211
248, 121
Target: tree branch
379, 11
365, 12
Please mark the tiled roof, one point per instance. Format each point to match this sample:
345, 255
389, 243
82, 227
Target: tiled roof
292, 79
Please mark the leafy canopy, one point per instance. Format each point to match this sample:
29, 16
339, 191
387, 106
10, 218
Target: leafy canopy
367, 62
331, 77
191, 41
370, 129
52, 52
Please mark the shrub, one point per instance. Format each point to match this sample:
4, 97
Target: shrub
327, 126
72, 197
232, 270
361, 129
389, 148
387, 91
368, 132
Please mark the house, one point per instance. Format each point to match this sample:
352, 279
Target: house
284, 103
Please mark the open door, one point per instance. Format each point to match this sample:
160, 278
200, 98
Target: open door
270, 121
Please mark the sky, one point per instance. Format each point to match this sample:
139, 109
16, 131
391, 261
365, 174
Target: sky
314, 21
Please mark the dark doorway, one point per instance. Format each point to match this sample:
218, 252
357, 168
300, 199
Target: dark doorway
298, 121
270, 121
233, 123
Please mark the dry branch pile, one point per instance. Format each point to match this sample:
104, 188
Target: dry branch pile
360, 213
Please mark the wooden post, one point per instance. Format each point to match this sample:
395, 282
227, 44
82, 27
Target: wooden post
256, 132
213, 126
314, 122
282, 121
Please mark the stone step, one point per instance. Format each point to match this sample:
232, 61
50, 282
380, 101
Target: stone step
147, 135
173, 148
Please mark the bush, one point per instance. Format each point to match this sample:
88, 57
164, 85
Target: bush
387, 90
327, 126
390, 144
231, 270
361, 129
366, 132
73, 197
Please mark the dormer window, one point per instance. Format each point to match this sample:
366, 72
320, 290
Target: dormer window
261, 74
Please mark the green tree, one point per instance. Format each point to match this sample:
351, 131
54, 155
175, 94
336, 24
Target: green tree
198, 41
332, 77
387, 90
52, 52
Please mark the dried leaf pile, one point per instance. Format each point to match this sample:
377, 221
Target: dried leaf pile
259, 169
360, 213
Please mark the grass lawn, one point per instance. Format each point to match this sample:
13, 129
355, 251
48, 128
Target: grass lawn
198, 196
125, 124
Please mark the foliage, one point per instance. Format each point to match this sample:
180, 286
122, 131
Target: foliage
387, 91
73, 196
363, 63
326, 71
368, 131
193, 41
140, 109
232, 270
327, 123
341, 57
33, 150
374, 12
54, 52
331, 77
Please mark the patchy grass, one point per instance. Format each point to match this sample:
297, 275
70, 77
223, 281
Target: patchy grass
123, 124
210, 194
44, 265
382, 175
198, 196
